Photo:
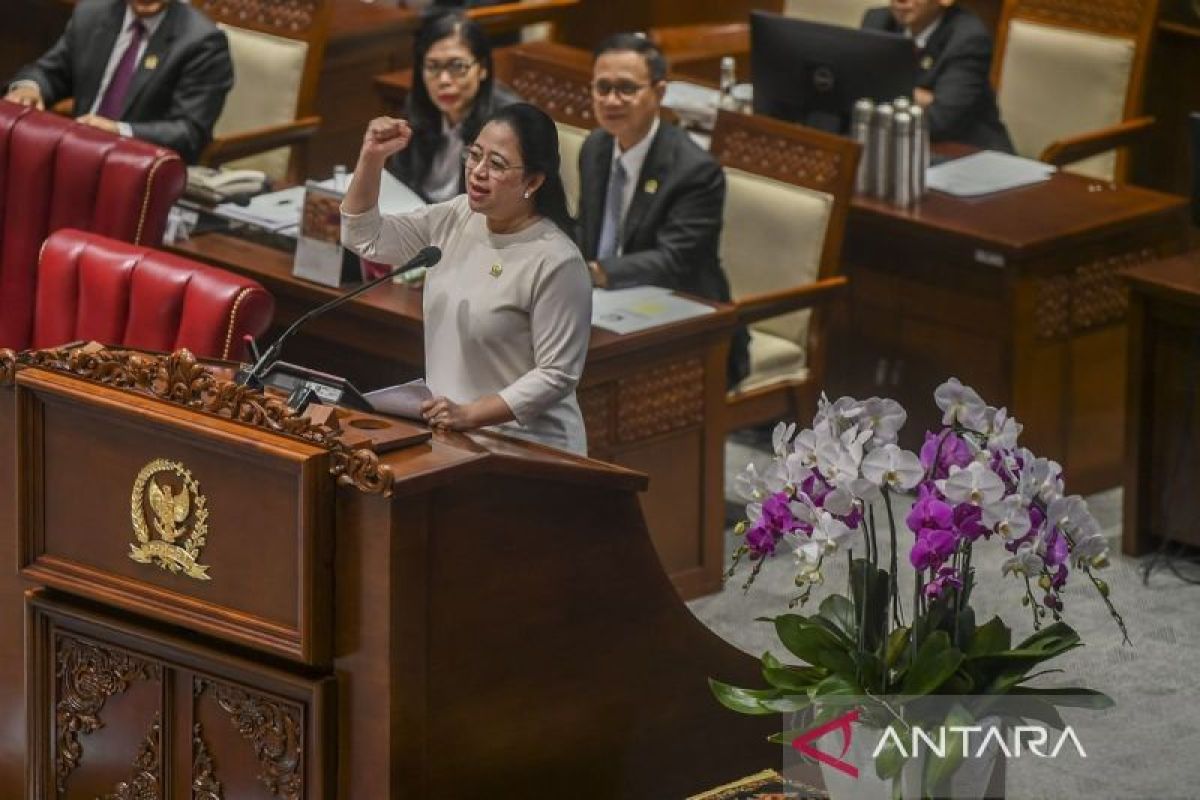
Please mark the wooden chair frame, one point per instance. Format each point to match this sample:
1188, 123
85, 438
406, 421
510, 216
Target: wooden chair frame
814, 160
1129, 19
301, 20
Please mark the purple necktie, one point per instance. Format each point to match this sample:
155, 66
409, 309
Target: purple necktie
114, 96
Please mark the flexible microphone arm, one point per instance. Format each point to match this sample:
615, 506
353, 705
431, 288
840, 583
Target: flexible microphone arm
426, 258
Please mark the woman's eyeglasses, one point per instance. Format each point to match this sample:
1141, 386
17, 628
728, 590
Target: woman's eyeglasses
455, 68
626, 90
472, 157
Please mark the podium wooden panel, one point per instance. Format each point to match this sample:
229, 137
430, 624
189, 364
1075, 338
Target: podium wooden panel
652, 401
499, 621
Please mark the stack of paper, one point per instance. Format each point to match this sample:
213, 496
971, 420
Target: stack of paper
641, 307
695, 104
986, 172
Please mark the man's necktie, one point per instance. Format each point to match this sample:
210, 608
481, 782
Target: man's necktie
610, 228
114, 96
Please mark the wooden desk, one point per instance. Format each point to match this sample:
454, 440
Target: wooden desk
1018, 295
652, 401
1162, 462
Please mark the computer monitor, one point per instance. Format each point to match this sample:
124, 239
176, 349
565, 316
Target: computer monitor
812, 74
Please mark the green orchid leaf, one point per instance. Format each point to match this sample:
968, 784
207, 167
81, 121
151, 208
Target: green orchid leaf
792, 679
964, 627
743, 701
840, 611
935, 661
786, 738
898, 641
814, 644
991, 637
891, 759
938, 769
1033, 708
788, 704
1067, 696
1052, 640
870, 590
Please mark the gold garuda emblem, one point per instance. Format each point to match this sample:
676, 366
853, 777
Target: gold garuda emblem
168, 506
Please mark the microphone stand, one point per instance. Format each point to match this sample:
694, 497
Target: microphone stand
253, 376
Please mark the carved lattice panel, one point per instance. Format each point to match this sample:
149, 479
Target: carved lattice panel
1091, 295
667, 398
565, 97
597, 405
782, 158
1113, 17
294, 16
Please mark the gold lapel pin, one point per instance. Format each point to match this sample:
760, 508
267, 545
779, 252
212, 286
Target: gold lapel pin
496, 270
650, 186
927, 62
151, 61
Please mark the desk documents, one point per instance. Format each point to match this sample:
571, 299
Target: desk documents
987, 172
401, 401
641, 307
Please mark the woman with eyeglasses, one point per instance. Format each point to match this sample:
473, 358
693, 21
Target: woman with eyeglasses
453, 92
508, 308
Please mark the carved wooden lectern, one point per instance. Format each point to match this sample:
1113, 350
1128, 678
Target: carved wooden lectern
220, 599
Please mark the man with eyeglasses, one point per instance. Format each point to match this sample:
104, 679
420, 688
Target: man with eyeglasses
651, 199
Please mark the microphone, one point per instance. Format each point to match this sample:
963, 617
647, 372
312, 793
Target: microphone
252, 377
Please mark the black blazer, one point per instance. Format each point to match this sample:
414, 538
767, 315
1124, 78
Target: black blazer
672, 231
954, 66
178, 90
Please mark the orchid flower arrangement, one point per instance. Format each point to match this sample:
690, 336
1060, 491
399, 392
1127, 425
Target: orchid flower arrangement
974, 487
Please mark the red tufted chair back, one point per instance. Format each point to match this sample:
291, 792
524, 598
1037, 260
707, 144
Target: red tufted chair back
55, 173
91, 287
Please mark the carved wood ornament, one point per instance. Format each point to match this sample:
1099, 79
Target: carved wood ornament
205, 785
180, 379
87, 676
274, 730
145, 783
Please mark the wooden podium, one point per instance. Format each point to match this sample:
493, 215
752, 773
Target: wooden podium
219, 599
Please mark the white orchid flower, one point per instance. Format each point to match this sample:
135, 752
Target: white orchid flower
781, 437
804, 447
974, 484
898, 469
1091, 549
1025, 562
1071, 515
960, 404
1002, 430
748, 484
839, 502
1040, 477
1009, 518
884, 417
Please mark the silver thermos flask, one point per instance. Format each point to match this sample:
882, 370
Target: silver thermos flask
881, 149
920, 149
901, 104
860, 131
902, 157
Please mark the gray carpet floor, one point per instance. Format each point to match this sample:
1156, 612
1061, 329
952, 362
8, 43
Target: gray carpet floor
1147, 746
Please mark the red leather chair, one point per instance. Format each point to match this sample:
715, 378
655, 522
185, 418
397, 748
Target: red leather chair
94, 288
55, 173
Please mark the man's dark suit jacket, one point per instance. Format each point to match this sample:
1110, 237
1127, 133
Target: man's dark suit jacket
672, 231
954, 66
175, 103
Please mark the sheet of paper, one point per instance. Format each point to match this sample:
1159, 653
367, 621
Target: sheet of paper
273, 210
694, 103
986, 172
641, 307
403, 400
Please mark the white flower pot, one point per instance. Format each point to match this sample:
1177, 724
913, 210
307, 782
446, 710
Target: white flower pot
969, 782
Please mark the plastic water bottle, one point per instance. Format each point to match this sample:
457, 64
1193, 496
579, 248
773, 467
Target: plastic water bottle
340, 182
728, 81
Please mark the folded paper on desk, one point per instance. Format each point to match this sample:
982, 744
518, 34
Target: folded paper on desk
403, 400
695, 104
280, 211
985, 173
641, 307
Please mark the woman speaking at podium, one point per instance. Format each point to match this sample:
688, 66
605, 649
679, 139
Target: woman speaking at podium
508, 308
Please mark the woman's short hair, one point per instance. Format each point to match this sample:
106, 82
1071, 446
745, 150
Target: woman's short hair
537, 137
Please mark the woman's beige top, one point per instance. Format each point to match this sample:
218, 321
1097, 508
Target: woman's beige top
506, 314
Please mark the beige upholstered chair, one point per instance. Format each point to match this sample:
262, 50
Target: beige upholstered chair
570, 142
848, 13
1069, 77
277, 47
788, 193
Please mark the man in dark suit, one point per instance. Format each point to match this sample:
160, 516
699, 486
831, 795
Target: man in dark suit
955, 56
155, 69
651, 200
